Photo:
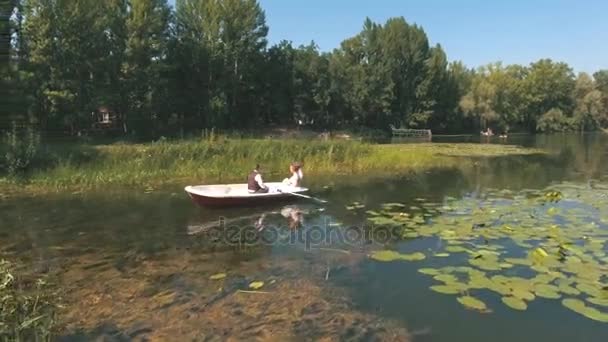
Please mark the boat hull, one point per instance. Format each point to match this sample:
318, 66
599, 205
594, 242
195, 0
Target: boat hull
235, 195
205, 201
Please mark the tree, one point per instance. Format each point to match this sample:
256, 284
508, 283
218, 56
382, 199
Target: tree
548, 85
145, 61
479, 101
74, 51
219, 48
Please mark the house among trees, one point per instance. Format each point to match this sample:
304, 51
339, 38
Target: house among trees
105, 119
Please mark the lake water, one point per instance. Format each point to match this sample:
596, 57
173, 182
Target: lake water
138, 265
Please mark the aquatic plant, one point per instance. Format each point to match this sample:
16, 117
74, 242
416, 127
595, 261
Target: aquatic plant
221, 159
27, 309
520, 246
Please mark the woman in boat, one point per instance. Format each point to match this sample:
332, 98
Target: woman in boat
255, 183
295, 180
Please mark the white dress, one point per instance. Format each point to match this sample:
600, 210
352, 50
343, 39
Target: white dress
295, 179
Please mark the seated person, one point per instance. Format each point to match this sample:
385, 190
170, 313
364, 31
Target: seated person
296, 175
255, 183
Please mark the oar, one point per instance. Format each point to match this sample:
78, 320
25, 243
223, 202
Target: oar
303, 196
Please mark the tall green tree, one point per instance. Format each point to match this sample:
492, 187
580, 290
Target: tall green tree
220, 47
74, 50
548, 85
590, 111
144, 65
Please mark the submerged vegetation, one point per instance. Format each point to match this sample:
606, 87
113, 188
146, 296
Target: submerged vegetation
227, 160
27, 307
520, 246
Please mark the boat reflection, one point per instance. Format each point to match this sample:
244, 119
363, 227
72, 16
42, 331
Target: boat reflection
290, 216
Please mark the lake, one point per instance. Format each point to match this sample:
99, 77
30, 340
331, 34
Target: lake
148, 264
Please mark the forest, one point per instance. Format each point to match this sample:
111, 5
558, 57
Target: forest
207, 64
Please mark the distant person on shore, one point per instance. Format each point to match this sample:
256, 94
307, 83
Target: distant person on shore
255, 183
295, 180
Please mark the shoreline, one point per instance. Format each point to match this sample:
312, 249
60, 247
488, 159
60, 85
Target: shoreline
165, 164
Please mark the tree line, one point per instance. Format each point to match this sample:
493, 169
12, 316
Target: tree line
207, 64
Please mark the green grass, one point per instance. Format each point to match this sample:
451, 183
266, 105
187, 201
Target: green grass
217, 160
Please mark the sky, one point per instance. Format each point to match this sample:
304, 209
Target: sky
476, 32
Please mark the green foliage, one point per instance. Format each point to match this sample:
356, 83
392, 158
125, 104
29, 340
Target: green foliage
563, 250
21, 148
217, 159
205, 63
554, 121
27, 309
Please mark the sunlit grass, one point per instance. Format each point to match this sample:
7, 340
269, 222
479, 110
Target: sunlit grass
229, 160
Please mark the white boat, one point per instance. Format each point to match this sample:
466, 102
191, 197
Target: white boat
237, 194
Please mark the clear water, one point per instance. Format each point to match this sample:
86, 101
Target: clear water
137, 265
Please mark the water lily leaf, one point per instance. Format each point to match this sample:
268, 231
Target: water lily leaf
218, 276
589, 289
540, 252
382, 221
388, 255
393, 205
598, 301
514, 303
547, 291
373, 213
446, 289
446, 278
567, 289
519, 261
413, 257
472, 303
442, 255
579, 307
256, 285
429, 271
456, 249
573, 304
523, 294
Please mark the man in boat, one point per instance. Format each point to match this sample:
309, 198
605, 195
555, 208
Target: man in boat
295, 180
255, 183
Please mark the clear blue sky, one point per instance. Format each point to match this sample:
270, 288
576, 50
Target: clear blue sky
473, 31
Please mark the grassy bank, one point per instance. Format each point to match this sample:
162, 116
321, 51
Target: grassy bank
75, 167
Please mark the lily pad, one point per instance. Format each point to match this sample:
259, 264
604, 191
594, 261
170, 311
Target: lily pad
385, 255
472, 303
446, 278
547, 291
456, 249
218, 276
442, 255
579, 307
256, 285
523, 294
567, 289
598, 301
446, 289
413, 257
388, 255
514, 303
429, 271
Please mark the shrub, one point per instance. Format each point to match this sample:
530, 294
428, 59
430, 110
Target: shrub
20, 149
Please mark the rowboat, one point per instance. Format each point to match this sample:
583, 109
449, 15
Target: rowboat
237, 194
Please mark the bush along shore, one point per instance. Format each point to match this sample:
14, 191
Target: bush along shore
70, 167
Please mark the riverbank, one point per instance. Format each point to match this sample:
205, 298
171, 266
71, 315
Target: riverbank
161, 164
